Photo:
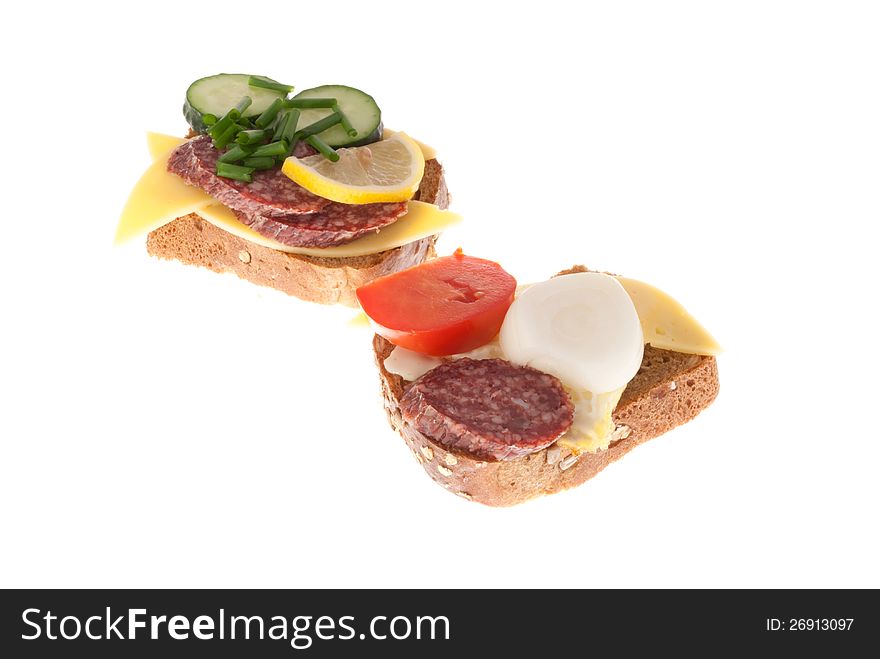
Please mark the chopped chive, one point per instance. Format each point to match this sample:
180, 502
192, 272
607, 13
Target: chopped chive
273, 149
310, 103
245, 124
265, 83
283, 117
346, 124
292, 144
289, 129
220, 127
322, 147
252, 136
237, 172
269, 114
320, 125
209, 119
237, 152
243, 105
226, 137
260, 162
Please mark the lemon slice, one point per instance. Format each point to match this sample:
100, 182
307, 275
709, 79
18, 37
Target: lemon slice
389, 170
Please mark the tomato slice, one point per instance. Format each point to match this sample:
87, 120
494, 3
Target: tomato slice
442, 307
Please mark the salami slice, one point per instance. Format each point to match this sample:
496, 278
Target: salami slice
271, 193
490, 408
276, 207
335, 224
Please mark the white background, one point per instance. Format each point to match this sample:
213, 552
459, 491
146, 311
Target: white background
166, 426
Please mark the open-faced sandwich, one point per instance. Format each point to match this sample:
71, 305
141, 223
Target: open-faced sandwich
504, 393
308, 194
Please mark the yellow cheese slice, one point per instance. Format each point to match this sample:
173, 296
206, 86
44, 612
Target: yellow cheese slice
157, 198
160, 144
420, 221
359, 320
665, 323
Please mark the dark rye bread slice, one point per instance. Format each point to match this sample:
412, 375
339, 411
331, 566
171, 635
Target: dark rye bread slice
194, 241
670, 389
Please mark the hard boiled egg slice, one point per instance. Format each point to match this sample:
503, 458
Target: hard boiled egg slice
582, 328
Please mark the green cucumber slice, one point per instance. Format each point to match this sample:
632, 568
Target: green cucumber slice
359, 107
219, 93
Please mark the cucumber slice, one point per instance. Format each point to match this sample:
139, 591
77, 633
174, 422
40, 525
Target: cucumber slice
218, 94
360, 109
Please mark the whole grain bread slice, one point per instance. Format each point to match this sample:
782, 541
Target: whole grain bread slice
194, 241
670, 389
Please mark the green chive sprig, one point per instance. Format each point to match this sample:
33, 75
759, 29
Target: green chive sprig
259, 162
344, 122
281, 122
220, 126
226, 137
303, 103
253, 136
269, 114
241, 106
271, 149
321, 125
322, 147
264, 83
228, 170
289, 129
236, 153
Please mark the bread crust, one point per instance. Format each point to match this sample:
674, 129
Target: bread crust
670, 389
194, 241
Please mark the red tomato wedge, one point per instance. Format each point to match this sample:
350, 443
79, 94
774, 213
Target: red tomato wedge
445, 306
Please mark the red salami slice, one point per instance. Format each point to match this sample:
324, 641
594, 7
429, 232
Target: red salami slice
276, 207
489, 408
335, 224
271, 192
